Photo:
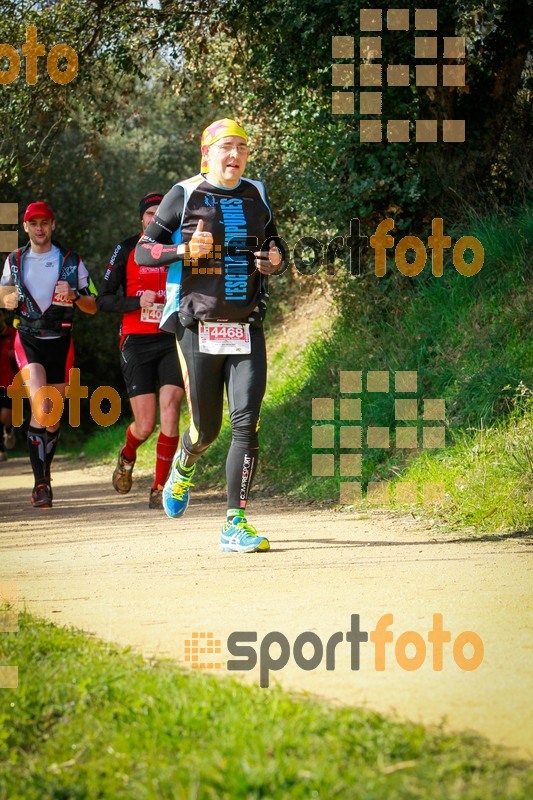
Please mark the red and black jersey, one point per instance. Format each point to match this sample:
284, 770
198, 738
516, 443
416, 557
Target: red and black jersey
124, 273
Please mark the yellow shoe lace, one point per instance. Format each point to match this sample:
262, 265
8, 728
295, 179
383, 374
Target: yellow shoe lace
179, 488
245, 526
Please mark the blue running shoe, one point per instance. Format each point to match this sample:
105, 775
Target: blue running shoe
238, 536
176, 492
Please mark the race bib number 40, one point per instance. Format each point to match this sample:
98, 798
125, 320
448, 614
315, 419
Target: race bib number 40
61, 299
152, 313
220, 338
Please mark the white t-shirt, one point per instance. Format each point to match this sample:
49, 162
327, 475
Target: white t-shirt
40, 273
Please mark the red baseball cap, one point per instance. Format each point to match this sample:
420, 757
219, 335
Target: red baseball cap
38, 209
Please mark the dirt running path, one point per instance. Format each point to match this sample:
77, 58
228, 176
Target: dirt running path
109, 565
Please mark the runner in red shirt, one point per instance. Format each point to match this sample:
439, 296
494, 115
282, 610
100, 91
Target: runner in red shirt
148, 356
7, 373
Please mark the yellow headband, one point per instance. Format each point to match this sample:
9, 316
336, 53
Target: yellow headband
218, 130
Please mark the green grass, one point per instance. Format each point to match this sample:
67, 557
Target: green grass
467, 338
104, 443
89, 721
488, 476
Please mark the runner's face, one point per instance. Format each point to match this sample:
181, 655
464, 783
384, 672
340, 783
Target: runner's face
148, 216
40, 229
227, 160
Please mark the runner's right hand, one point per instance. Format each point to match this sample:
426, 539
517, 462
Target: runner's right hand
148, 298
201, 242
11, 301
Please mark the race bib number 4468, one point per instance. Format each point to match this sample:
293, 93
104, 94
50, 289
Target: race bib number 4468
220, 338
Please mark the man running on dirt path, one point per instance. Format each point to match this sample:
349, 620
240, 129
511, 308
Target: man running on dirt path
148, 357
217, 232
50, 282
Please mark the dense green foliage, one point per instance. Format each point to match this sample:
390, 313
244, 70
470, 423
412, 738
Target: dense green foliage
269, 62
88, 721
467, 338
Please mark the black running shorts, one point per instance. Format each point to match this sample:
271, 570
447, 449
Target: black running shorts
56, 355
148, 360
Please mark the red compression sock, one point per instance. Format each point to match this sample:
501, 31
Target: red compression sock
165, 450
132, 443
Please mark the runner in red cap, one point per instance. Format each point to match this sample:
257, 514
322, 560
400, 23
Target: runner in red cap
38, 209
50, 281
148, 357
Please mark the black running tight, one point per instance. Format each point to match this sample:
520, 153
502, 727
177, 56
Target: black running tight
244, 378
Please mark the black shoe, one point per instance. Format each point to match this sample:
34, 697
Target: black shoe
156, 498
48, 480
9, 438
41, 496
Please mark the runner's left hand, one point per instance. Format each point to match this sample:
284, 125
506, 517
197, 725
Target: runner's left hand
268, 262
63, 287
